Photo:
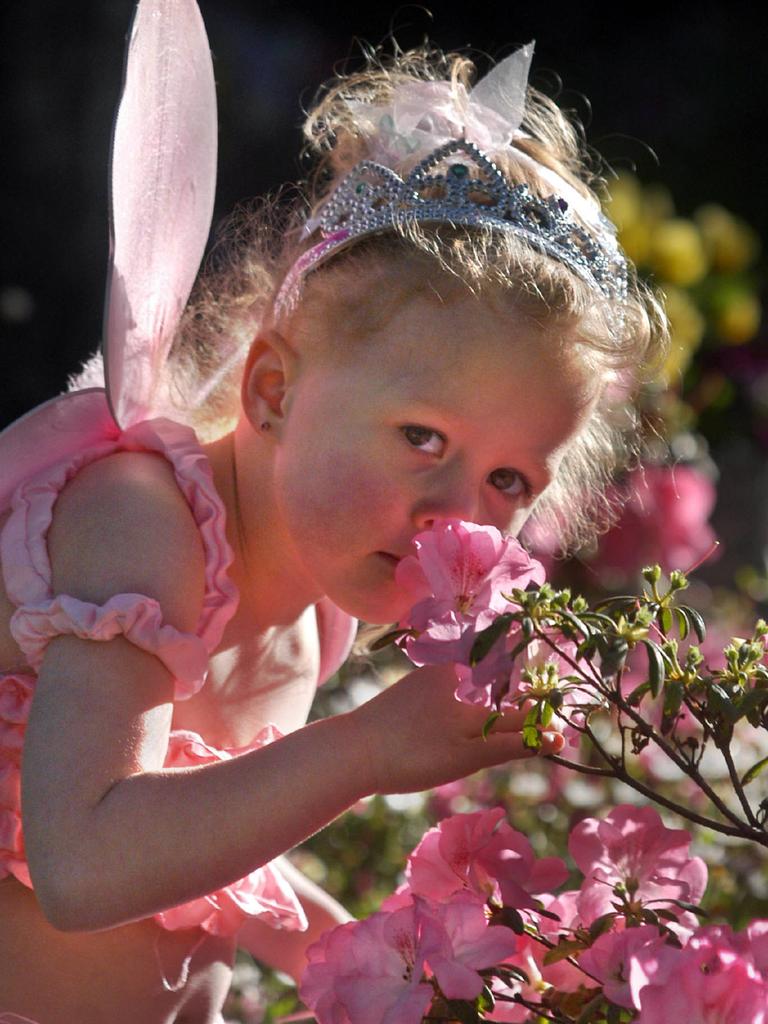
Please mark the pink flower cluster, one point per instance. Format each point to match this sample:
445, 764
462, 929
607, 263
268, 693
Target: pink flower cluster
436, 932
458, 580
665, 519
442, 927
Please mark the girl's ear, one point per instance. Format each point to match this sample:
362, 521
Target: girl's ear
268, 374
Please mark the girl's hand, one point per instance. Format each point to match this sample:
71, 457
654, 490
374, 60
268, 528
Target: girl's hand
417, 735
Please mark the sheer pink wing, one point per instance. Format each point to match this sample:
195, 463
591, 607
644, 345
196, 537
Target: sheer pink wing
51, 433
163, 181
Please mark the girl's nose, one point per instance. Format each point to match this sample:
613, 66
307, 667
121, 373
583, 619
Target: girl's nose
453, 501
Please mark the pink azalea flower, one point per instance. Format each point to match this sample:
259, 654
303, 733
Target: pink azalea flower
707, 982
462, 941
631, 845
372, 971
491, 682
664, 520
530, 957
368, 972
608, 960
481, 854
754, 943
457, 579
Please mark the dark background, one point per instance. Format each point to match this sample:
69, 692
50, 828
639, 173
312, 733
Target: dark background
678, 93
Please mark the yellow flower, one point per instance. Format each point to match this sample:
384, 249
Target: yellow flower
658, 203
624, 201
738, 319
677, 252
686, 328
730, 243
635, 240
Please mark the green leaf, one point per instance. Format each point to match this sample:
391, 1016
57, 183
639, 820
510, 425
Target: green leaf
683, 625
508, 972
613, 654
696, 621
546, 714
577, 623
656, 671
488, 723
601, 925
485, 1000
509, 918
666, 914
390, 638
555, 699
637, 694
622, 600
564, 949
673, 698
692, 908
665, 618
550, 915
487, 637
754, 771
752, 705
613, 1015
586, 1015
531, 737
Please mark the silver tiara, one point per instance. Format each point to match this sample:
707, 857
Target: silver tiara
457, 184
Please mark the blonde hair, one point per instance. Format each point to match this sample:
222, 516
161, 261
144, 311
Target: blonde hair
234, 298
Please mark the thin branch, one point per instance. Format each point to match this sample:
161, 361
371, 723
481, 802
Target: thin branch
584, 769
549, 944
737, 786
685, 766
743, 832
537, 1008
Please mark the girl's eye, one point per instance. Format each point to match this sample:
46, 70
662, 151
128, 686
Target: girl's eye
509, 482
424, 438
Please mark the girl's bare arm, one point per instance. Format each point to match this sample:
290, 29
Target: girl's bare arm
111, 835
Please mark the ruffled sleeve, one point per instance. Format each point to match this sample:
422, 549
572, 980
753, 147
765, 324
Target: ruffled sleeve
40, 614
137, 618
264, 893
15, 700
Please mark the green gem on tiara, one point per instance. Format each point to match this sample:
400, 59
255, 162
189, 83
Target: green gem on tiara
458, 184
458, 170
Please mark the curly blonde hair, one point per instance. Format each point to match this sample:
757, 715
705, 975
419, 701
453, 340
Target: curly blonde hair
234, 297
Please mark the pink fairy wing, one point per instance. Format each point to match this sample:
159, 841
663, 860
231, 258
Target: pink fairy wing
50, 434
163, 180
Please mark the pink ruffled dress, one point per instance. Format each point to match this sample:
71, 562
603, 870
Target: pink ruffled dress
86, 433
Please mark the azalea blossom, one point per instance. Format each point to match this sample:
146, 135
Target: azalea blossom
374, 971
665, 519
368, 972
482, 854
710, 981
609, 957
632, 846
457, 580
461, 942
530, 954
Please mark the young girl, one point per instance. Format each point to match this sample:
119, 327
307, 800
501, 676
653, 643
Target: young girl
444, 330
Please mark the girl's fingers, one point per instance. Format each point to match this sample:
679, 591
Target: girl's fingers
512, 718
509, 746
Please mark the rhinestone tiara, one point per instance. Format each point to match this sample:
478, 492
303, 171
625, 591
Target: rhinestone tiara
457, 184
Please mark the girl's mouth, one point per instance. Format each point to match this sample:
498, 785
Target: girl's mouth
392, 560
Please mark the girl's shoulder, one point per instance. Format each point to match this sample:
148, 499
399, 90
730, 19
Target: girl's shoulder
123, 525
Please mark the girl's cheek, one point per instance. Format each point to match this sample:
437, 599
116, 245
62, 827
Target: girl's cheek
347, 495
